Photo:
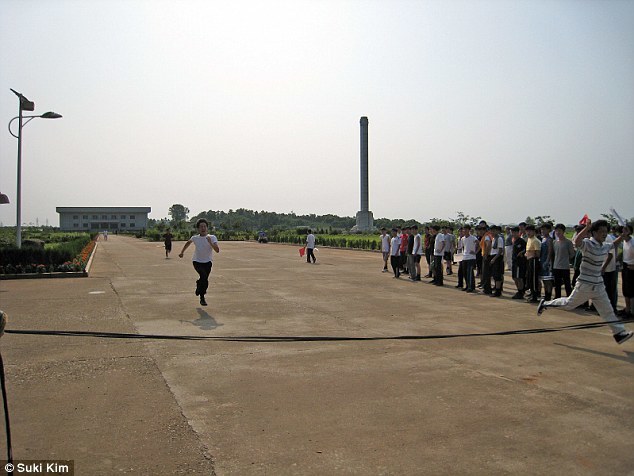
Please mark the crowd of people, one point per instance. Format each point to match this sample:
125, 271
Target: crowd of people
540, 261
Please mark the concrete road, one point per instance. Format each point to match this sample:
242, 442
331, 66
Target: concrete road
541, 403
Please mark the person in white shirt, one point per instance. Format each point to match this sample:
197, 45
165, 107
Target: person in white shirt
610, 275
310, 247
497, 260
470, 246
627, 274
440, 244
395, 253
205, 244
385, 248
417, 253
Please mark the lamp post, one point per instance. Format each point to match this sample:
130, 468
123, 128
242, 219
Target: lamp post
25, 105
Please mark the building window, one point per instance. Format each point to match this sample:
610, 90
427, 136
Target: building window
85, 225
123, 217
95, 217
104, 217
132, 225
113, 217
131, 217
85, 217
75, 217
122, 225
75, 225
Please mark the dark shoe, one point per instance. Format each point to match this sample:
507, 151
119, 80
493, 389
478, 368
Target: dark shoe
623, 336
487, 291
458, 286
438, 284
433, 281
427, 276
197, 292
541, 307
517, 295
202, 301
496, 294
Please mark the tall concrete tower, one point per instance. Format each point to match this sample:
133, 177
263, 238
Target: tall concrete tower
365, 220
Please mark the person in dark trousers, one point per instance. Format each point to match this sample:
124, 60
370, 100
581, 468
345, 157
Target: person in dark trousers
205, 244
533, 251
518, 262
310, 247
439, 252
564, 254
395, 253
167, 240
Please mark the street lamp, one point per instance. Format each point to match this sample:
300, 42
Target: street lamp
25, 105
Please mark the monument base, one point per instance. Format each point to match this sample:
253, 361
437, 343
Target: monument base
365, 221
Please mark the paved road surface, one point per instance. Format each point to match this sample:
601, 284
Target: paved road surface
549, 403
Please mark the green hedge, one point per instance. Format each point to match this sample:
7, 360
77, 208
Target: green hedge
51, 254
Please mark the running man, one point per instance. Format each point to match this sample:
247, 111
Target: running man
590, 282
205, 245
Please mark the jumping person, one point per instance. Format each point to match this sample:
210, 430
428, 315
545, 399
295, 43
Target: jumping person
203, 256
590, 282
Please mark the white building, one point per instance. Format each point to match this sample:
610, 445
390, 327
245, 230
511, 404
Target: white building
103, 218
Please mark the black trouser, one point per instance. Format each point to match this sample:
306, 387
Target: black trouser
460, 274
485, 277
532, 277
610, 279
467, 270
203, 270
310, 252
478, 263
395, 261
562, 276
438, 269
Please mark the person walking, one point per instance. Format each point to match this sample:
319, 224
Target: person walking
310, 247
205, 244
590, 282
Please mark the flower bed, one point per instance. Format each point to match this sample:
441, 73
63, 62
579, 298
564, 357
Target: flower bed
76, 265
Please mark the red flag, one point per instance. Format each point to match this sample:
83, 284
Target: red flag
302, 251
584, 220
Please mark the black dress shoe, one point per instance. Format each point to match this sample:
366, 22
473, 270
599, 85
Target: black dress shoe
202, 301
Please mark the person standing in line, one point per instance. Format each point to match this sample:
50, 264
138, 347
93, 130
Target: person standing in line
627, 274
385, 248
533, 250
610, 275
470, 246
310, 247
429, 251
439, 252
497, 260
167, 240
411, 262
205, 244
485, 244
508, 249
450, 248
546, 258
395, 253
564, 254
590, 282
416, 254
404, 237
518, 263
459, 253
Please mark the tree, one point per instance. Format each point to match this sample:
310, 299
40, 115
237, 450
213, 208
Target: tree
178, 213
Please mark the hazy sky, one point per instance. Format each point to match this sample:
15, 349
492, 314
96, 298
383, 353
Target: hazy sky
499, 109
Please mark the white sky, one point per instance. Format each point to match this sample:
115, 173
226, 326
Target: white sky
499, 109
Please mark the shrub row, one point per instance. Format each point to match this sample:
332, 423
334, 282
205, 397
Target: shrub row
55, 255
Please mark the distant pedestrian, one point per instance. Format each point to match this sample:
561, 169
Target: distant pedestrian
395, 253
590, 282
385, 248
205, 244
310, 247
167, 240
470, 245
439, 252
417, 253
628, 272
564, 254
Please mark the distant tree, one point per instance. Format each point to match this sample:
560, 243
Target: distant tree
611, 219
178, 212
530, 221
